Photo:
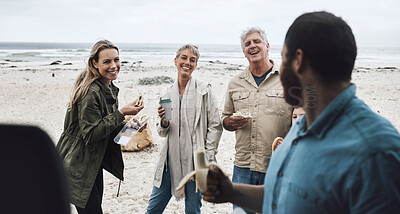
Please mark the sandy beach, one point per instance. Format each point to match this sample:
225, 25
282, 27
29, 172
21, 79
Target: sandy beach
37, 94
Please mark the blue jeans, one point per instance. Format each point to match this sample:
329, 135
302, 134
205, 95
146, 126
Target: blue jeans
246, 176
160, 197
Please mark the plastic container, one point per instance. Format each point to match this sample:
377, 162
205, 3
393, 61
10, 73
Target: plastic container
130, 129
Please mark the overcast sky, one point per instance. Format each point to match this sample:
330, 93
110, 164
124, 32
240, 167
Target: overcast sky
374, 22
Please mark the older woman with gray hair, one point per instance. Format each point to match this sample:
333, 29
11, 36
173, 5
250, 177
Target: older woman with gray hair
195, 124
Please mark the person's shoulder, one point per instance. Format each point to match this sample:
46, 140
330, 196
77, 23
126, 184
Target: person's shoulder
203, 87
95, 86
94, 91
202, 84
238, 79
240, 75
376, 131
359, 113
275, 66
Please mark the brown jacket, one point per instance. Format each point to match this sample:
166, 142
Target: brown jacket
87, 140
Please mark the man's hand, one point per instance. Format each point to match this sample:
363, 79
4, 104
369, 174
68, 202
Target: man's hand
233, 123
220, 190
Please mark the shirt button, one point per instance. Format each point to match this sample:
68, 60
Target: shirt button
295, 142
258, 91
253, 136
273, 206
255, 106
280, 174
254, 121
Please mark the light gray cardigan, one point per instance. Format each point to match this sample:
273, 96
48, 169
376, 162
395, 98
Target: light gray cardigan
207, 132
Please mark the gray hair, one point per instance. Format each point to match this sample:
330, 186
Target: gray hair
193, 48
252, 30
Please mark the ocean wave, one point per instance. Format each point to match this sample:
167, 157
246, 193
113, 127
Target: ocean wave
31, 54
75, 50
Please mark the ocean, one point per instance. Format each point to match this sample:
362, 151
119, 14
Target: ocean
73, 52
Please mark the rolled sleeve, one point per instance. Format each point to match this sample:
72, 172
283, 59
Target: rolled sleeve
162, 131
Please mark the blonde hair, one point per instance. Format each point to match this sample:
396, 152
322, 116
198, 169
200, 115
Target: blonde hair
193, 48
90, 74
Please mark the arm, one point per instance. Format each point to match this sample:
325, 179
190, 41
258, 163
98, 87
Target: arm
228, 109
214, 127
231, 123
223, 190
376, 188
234, 123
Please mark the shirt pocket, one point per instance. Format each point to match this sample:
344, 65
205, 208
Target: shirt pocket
301, 199
273, 102
241, 100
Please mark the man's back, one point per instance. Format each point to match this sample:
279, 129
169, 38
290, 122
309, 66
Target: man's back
344, 163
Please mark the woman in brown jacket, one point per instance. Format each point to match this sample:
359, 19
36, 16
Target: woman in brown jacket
91, 122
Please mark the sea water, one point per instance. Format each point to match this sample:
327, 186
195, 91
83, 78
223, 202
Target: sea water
225, 53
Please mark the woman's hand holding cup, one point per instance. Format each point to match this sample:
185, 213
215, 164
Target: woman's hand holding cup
161, 114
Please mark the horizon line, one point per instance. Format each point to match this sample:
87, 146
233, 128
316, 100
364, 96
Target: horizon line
167, 43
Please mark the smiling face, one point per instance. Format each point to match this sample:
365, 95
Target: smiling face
255, 49
186, 62
108, 64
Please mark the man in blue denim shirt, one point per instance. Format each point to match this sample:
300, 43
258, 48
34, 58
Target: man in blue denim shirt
340, 157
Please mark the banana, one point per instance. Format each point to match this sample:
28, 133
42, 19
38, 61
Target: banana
200, 174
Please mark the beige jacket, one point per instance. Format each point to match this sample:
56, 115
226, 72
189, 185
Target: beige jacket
207, 132
271, 117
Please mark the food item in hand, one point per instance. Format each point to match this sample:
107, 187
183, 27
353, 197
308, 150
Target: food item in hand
142, 119
140, 100
245, 115
136, 123
201, 174
276, 143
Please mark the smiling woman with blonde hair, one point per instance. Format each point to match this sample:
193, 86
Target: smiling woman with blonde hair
91, 122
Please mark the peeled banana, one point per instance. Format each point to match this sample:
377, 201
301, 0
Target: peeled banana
200, 174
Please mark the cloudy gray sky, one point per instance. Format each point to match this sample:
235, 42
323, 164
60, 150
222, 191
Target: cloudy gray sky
374, 22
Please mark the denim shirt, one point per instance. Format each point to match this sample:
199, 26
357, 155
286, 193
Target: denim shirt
348, 161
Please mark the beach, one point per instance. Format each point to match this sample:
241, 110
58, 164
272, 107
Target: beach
37, 93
